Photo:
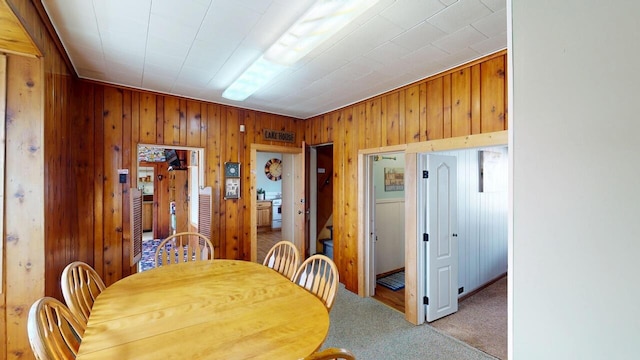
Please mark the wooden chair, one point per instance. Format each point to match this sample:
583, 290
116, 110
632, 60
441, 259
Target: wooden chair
319, 275
54, 332
331, 353
183, 247
81, 285
284, 258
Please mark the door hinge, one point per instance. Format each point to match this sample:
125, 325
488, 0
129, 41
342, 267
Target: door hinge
425, 174
425, 300
425, 237
461, 290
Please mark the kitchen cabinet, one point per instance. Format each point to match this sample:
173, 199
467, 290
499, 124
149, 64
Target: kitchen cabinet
264, 216
147, 216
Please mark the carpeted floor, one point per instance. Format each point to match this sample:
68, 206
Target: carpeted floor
481, 320
372, 330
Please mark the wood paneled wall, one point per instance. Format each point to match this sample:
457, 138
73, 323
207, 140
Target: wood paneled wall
111, 123
470, 99
37, 176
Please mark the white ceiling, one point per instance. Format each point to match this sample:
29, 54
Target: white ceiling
196, 48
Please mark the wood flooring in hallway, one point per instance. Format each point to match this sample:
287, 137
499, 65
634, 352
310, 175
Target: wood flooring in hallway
265, 241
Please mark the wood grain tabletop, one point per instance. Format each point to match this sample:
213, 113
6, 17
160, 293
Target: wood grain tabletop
220, 309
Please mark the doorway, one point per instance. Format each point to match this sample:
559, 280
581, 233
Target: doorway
293, 206
170, 179
475, 266
387, 203
320, 195
269, 201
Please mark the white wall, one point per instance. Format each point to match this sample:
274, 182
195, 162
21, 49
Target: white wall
389, 247
262, 181
574, 127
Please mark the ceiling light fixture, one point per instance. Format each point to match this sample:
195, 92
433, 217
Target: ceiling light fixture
320, 22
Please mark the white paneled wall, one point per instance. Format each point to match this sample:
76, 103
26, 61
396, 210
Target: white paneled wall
389, 247
482, 221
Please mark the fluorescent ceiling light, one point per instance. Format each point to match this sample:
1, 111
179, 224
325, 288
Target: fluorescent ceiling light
320, 22
252, 79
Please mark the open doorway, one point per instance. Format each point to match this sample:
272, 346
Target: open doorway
269, 201
320, 189
293, 208
171, 180
482, 233
387, 206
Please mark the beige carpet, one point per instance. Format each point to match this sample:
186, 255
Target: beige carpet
481, 320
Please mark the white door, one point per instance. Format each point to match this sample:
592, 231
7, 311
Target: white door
439, 236
371, 201
294, 204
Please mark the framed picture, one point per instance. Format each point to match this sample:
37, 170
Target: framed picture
393, 179
232, 180
232, 188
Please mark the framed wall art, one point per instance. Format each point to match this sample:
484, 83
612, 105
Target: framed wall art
232, 180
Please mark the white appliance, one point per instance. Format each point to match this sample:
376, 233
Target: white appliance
276, 214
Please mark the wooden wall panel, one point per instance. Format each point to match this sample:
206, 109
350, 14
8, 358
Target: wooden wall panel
25, 270
147, 109
493, 101
213, 173
435, 111
194, 115
129, 161
475, 99
463, 101
99, 174
112, 190
392, 114
412, 113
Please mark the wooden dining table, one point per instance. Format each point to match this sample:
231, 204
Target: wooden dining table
218, 309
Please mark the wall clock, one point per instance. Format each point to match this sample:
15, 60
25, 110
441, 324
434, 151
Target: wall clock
273, 169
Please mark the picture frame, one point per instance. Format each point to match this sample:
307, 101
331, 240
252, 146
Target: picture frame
232, 180
393, 179
232, 188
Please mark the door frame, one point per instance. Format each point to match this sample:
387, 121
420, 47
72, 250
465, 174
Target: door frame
253, 199
413, 298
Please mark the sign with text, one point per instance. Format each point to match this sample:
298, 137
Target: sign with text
275, 135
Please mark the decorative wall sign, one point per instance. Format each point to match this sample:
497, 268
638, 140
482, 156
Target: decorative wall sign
275, 135
393, 179
273, 169
232, 169
232, 181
